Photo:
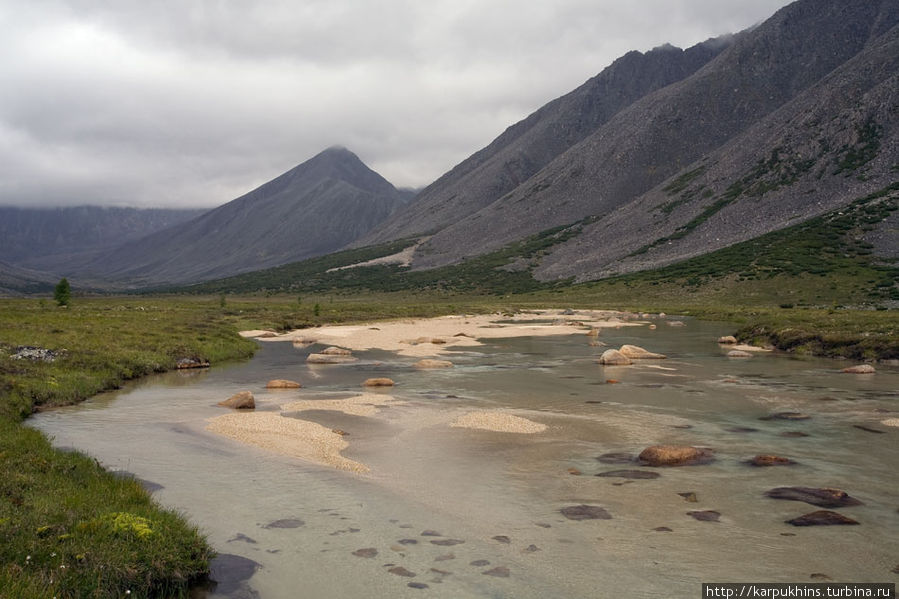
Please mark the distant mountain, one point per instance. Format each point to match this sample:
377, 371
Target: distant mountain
770, 128
315, 208
20, 281
52, 239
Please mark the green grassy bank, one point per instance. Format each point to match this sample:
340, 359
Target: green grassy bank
68, 527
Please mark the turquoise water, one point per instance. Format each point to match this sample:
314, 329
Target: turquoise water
500, 494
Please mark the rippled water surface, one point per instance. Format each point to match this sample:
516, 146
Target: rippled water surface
453, 512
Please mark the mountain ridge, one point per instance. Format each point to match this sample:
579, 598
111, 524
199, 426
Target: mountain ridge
525, 147
314, 208
657, 135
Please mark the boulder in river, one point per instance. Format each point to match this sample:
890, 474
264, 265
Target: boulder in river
329, 359
860, 369
770, 460
378, 382
675, 455
282, 384
613, 357
821, 518
738, 353
635, 352
727, 340
427, 363
336, 351
240, 401
824, 497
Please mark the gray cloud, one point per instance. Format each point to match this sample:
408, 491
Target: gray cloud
192, 103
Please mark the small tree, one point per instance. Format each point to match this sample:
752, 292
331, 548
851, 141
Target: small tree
62, 293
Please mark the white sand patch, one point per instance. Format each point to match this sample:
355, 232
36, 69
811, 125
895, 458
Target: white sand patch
455, 331
501, 422
287, 436
365, 404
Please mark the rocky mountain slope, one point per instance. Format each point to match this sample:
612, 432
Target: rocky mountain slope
529, 145
315, 208
787, 121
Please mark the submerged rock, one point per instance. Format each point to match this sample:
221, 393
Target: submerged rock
632, 474
689, 497
499, 572
613, 357
282, 384
738, 353
366, 552
821, 518
285, 523
741, 429
705, 515
824, 497
868, 429
585, 512
447, 542
675, 455
228, 572
770, 460
427, 363
502, 539
240, 401
786, 416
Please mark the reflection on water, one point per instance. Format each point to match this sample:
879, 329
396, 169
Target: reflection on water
453, 512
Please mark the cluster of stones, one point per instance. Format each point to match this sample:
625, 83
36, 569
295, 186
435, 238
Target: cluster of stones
680, 455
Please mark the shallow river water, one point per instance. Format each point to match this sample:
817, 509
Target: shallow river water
455, 512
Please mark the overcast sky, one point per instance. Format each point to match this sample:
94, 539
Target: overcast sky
183, 103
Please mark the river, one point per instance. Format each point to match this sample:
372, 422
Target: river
458, 512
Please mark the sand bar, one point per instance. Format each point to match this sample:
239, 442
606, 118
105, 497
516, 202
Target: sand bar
498, 421
404, 336
286, 436
365, 404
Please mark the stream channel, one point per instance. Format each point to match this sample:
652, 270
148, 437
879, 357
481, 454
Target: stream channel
459, 512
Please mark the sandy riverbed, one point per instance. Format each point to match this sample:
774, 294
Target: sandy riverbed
435, 336
414, 338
